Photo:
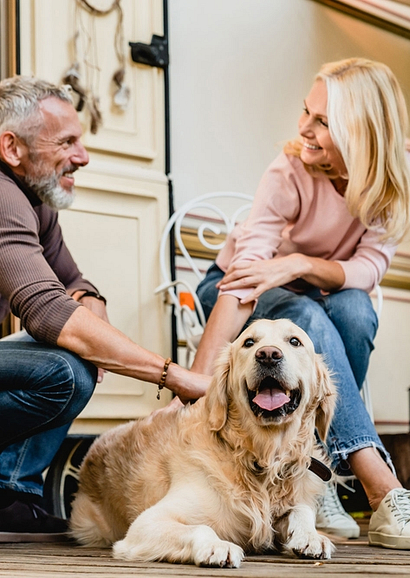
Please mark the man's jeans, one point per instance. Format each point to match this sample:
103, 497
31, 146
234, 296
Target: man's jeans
42, 390
342, 327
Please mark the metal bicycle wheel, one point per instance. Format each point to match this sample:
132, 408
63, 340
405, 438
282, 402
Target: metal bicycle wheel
61, 481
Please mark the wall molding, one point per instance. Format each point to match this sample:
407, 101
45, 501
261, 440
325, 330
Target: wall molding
390, 15
397, 276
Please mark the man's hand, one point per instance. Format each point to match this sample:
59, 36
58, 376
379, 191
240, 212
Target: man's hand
194, 388
186, 384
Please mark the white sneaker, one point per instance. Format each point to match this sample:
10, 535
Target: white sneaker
332, 518
389, 525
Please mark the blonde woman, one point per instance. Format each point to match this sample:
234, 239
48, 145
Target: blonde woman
324, 225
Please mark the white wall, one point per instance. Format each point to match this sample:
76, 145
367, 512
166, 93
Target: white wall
240, 70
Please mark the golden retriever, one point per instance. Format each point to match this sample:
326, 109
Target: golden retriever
225, 475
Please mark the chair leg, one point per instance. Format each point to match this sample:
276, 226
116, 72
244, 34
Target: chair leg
367, 398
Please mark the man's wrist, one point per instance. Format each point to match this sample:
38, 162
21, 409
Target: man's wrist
176, 378
94, 294
163, 378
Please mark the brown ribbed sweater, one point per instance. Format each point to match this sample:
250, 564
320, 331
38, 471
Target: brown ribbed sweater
36, 268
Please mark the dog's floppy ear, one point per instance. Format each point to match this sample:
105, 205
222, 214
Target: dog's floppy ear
326, 397
217, 394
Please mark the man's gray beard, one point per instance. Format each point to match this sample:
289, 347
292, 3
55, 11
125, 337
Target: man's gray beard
49, 190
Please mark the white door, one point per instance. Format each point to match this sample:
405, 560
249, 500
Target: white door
114, 226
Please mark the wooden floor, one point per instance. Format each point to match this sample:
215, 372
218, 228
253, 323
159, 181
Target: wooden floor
352, 558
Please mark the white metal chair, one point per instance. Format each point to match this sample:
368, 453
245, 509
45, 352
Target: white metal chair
366, 393
200, 227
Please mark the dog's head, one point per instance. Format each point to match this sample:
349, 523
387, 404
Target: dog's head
272, 371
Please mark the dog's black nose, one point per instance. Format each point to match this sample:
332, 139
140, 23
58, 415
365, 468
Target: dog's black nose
268, 355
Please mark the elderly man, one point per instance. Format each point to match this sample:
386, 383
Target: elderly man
48, 374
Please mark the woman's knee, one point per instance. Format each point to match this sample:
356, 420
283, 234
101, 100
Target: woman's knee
300, 309
353, 309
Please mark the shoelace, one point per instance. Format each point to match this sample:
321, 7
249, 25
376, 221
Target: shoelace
399, 504
38, 513
330, 502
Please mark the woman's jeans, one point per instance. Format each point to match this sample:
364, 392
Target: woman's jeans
42, 390
342, 327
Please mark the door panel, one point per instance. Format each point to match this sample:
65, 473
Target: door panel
114, 226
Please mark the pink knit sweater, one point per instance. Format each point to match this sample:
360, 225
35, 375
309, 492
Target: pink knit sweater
294, 212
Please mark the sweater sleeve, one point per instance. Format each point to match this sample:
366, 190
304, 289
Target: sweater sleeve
276, 203
294, 212
27, 280
369, 263
57, 254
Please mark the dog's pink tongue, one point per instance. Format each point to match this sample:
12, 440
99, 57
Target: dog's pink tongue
271, 399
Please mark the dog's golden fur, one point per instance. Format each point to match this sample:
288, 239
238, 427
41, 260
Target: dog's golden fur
202, 484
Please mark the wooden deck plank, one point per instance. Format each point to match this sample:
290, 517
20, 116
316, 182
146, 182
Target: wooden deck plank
352, 558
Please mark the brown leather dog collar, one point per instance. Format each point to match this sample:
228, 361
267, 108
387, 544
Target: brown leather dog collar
320, 469
315, 466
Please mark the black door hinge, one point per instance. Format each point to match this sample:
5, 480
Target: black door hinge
154, 54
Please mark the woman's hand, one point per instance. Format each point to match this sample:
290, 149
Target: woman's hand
263, 275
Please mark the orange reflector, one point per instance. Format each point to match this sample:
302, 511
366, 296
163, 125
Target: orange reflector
187, 299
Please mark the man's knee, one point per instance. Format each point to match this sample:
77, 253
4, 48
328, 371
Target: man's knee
62, 384
84, 378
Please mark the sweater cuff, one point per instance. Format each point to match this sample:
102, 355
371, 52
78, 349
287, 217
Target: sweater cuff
240, 294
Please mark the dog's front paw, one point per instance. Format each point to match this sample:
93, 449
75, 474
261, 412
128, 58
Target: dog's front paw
126, 550
218, 553
310, 545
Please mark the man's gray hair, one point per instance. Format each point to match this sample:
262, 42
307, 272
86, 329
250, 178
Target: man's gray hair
19, 104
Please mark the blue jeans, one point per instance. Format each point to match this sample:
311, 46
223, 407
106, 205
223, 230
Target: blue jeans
42, 390
342, 327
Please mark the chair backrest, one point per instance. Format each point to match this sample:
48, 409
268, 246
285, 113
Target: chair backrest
199, 229
366, 392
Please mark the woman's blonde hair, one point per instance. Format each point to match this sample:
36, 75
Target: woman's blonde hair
368, 121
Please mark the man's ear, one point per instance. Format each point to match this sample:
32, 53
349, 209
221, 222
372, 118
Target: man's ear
11, 149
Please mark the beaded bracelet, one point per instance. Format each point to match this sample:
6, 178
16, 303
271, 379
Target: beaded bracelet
163, 377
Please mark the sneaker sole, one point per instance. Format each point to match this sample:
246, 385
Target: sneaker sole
15, 537
349, 534
389, 541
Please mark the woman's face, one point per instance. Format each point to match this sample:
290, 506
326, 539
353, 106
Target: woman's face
318, 147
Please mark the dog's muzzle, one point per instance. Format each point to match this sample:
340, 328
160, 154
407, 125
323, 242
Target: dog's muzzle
269, 397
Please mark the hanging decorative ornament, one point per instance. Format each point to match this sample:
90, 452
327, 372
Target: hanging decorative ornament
72, 77
122, 95
95, 113
87, 92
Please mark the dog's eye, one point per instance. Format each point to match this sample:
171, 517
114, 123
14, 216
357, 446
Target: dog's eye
248, 342
295, 342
